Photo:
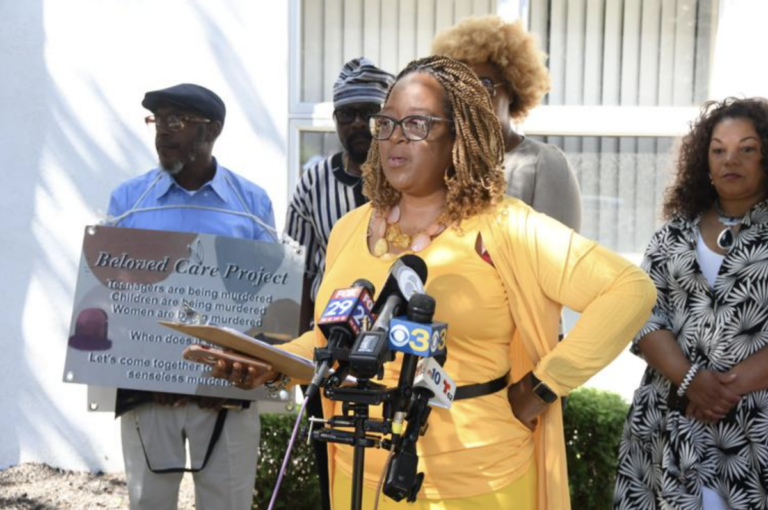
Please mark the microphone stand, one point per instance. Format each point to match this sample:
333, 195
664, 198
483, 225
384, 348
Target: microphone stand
358, 463
356, 401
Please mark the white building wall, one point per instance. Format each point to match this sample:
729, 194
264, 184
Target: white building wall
72, 77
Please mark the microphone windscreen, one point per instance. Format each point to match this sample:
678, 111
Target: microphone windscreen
406, 277
417, 264
421, 308
366, 284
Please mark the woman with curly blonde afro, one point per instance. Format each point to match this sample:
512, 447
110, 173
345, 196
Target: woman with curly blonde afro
512, 70
498, 272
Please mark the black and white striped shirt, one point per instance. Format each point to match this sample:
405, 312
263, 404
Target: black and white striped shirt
324, 194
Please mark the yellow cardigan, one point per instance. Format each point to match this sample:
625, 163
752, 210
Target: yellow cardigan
543, 265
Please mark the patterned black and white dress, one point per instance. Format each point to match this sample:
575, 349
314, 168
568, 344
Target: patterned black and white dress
665, 457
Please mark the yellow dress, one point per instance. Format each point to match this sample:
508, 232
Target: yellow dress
498, 317
518, 495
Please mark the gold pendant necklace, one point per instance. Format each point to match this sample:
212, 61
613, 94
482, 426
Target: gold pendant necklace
387, 229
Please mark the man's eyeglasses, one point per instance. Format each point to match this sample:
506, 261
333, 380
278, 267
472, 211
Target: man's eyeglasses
173, 122
491, 87
347, 115
415, 127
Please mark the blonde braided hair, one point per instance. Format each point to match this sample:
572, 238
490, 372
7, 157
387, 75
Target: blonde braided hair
476, 181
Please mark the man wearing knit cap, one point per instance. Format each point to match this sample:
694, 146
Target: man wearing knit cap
332, 188
189, 192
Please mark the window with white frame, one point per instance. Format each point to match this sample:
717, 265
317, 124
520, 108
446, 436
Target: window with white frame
622, 68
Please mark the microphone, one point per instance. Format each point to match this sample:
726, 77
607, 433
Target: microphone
422, 379
418, 336
432, 378
348, 312
415, 336
406, 279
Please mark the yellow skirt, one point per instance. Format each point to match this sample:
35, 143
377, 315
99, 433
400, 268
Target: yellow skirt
518, 495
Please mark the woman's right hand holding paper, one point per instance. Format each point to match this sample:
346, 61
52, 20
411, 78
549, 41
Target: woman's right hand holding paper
244, 375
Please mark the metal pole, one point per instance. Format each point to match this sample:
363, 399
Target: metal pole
358, 463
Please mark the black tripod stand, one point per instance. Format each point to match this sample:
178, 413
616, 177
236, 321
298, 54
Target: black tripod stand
402, 480
355, 408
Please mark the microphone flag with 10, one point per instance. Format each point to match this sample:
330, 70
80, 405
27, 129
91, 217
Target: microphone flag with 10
430, 375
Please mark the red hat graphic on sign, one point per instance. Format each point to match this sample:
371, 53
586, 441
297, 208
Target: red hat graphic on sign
91, 330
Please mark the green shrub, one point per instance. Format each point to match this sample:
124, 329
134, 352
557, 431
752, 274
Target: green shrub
300, 489
594, 421
593, 426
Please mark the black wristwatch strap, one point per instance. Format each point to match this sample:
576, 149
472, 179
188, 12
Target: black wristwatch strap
542, 391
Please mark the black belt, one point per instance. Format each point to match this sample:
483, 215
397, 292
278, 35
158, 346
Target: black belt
481, 389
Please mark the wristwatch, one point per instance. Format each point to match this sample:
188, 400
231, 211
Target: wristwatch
542, 391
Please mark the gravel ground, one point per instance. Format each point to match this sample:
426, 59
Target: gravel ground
41, 487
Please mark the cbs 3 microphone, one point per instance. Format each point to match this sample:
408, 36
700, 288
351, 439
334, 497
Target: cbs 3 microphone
422, 382
423, 343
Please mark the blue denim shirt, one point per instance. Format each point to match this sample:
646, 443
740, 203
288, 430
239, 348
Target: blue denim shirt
223, 206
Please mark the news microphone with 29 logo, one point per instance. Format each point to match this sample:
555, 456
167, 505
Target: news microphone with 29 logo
351, 307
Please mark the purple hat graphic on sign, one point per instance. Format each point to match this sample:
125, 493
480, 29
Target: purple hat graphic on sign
91, 330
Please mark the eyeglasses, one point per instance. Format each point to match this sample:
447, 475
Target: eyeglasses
173, 122
491, 87
347, 115
415, 127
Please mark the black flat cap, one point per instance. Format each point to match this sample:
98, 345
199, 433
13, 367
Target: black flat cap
188, 96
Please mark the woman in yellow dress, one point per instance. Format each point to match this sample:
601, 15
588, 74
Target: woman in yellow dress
500, 273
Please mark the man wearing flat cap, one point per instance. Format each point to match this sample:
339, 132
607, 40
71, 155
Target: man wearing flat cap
189, 192
332, 188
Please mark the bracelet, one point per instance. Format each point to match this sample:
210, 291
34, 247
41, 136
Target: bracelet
687, 380
276, 385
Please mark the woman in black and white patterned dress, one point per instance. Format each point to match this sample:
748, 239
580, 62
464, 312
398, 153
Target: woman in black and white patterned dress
697, 433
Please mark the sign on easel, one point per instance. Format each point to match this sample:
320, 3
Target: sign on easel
129, 279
